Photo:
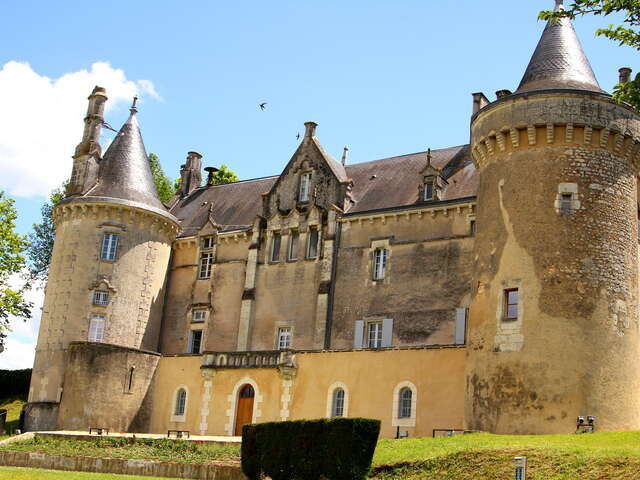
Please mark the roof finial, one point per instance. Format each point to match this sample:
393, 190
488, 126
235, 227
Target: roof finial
559, 5
428, 157
345, 155
133, 108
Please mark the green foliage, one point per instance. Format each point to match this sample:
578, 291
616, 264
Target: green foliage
42, 236
19, 473
337, 448
224, 175
12, 261
15, 382
13, 405
626, 34
163, 185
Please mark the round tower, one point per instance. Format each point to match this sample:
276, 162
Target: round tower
553, 329
103, 303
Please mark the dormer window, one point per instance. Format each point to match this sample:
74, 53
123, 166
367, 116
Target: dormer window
305, 187
429, 189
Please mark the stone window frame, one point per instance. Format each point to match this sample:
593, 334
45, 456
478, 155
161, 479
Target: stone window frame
318, 231
330, 392
396, 420
429, 180
272, 243
195, 328
567, 188
472, 225
205, 315
116, 248
307, 174
505, 304
179, 418
98, 318
233, 403
105, 294
294, 240
509, 335
377, 244
278, 330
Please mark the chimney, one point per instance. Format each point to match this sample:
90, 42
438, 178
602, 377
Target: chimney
503, 93
345, 155
625, 75
310, 129
479, 102
210, 171
190, 173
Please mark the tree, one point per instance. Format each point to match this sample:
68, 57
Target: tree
626, 34
163, 184
41, 238
12, 261
224, 175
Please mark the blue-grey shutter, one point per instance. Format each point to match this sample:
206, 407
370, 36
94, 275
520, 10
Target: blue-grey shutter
461, 325
358, 334
387, 332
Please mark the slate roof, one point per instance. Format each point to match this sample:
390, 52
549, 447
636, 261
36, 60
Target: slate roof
234, 206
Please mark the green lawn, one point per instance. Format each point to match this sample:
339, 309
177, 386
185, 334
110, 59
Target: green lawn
13, 406
598, 456
15, 473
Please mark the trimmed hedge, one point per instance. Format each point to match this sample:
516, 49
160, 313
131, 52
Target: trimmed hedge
336, 448
14, 382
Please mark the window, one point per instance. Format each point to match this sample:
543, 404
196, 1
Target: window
195, 341
511, 304
96, 328
428, 190
472, 228
312, 248
206, 262
380, 256
181, 403
207, 243
404, 403
305, 186
130, 379
109, 246
100, 297
565, 202
284, 338
374, 334
337, 403
198, 316
275, 247
293, 245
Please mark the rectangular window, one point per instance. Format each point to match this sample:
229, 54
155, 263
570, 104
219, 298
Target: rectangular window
374, 334
100, 297
511, 304
195, 341
198, 316
96, 328
206, 261
379, 263
428, 190
275, 247
294, 238
109, 246
312, 248
565, 203
305, 186
207, 243
284, 338
472, 227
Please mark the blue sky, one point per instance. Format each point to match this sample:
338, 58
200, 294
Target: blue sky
385, 78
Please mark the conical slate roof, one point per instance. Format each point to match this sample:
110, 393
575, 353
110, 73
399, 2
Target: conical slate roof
559, 62
124, 170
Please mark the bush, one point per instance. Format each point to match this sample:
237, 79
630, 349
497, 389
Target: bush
338, 449
15, 382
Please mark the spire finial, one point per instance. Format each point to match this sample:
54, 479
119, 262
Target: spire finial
559, 5
133, 108
428, 157
345, 155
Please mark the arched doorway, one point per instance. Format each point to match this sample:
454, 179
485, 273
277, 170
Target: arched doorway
244, 408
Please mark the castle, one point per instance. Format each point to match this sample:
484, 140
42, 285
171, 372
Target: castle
489, 286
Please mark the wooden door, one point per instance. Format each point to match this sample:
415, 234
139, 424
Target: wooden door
244, 408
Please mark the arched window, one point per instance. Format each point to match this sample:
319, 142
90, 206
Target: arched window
181, 402
337, 403
404, 403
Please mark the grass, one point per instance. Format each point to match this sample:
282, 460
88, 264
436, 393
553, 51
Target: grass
16, 473
126, 448
599, 456
13, 405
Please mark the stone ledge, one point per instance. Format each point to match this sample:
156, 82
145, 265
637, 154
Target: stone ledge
121, 466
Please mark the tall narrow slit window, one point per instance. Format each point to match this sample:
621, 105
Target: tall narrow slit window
511, 304
109, 246
100, 297
565, 202
374, 335
284, 338
305, 187
275, 247
312, 248
181, 402
337, 403
206, 262
96, 328
195, 341
428, 190
380, 256
294, 240
404, 403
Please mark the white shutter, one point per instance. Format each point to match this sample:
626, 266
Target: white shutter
387, 332
358, 334
461, 325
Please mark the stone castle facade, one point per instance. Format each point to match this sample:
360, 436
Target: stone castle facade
489, 286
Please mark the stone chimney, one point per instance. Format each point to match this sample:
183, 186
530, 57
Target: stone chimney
191, 174
310, 129
210, 171
345, 155
625, 75
479, 102
503, 93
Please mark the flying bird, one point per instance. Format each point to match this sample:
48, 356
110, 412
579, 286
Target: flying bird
298, 136
108, 127
262, 105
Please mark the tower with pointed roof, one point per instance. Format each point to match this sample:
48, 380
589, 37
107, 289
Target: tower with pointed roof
553, 323
101, 318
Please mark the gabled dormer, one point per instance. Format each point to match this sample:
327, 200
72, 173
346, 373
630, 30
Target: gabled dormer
432, 187
311, 178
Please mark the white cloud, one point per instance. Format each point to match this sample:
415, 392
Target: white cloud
41, 121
